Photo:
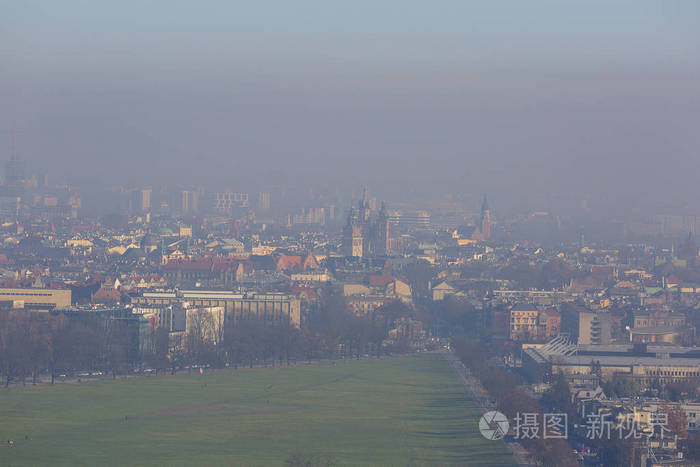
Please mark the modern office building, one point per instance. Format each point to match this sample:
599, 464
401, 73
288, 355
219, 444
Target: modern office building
264, 201
189, 202
594, 328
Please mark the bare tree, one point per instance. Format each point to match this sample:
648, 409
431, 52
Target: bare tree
157, 356
200, 337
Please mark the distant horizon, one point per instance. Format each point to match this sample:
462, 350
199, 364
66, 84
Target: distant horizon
508, 202
544, 104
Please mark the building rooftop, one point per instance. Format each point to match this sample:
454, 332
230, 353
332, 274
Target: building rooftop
561, 351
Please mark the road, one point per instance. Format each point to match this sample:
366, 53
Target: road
481, 398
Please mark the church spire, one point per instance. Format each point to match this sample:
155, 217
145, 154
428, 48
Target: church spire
382, 210
485, 220
484, 206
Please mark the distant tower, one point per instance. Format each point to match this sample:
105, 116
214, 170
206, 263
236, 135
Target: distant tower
363, 235
145, 204
381, 243
194, 205
189, 202
364, 206
163, 252
485, 221
353, 240
14, 168
264, 201
689, 250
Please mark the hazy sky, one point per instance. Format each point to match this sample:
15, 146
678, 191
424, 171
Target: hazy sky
520, 98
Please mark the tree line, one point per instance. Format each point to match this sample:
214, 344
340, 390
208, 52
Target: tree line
511, 400
32, 344
36, 344
332, 331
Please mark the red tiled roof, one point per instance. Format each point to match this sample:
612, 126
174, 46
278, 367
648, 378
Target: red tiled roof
285, 262
302, 290
588, 282
221, 264
673, 279
207, 264
552, 313
380, 281
310, 262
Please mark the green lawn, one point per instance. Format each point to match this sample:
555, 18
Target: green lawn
394, 411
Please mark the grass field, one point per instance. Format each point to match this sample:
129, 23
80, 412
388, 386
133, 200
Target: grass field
394, 411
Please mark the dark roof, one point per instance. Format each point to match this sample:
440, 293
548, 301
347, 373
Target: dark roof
466, 230
134, 254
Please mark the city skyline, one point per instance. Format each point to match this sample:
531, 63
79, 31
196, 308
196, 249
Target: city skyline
323, 233
498, 99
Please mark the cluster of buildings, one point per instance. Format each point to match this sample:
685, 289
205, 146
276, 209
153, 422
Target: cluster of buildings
617, 306
167, 255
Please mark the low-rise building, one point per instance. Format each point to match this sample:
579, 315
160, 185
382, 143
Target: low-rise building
530, 323
364, 304
271, 308
42, 299
665, 364
443, 290
661, 327
311, 276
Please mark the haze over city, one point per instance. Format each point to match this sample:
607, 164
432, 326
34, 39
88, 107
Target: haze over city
315, 234
547, 103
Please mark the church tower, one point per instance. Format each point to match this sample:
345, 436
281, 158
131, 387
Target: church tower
365, 235
381, 241
364, 206
353, 241
485, 221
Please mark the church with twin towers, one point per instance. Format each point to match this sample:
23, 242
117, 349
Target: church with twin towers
364, 235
